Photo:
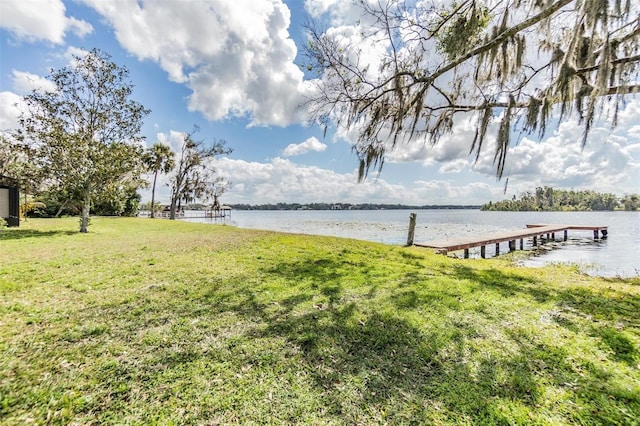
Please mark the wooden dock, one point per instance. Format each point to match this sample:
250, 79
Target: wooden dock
536, 231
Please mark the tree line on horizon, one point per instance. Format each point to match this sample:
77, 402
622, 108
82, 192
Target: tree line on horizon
550, 199
346, 206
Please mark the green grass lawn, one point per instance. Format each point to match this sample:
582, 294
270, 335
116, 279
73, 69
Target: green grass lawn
157, 322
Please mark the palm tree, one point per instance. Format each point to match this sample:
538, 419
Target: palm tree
158, 158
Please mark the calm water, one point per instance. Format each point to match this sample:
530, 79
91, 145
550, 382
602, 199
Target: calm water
617, 255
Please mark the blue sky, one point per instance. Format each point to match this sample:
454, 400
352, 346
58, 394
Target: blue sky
231, 68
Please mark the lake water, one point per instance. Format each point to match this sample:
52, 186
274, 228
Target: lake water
617, 255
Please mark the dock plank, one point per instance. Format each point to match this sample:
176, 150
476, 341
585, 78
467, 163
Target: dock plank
463, 243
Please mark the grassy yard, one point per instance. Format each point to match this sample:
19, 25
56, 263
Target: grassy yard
156, 322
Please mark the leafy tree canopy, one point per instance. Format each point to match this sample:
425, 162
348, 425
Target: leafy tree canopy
414, 67
14, 162
85, 135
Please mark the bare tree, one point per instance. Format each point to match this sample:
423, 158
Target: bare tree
513, 62
216, 188
193, 174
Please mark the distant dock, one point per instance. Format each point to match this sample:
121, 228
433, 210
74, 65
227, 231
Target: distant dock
223, 212
536, 231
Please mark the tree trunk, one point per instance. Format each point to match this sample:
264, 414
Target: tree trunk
153, 195
86, 206
61, 208
25, 205
172, 213
174, 199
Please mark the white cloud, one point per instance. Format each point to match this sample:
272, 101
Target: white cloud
72, 52
40, 20
318, 7
454, 166
311, 144
451, 147
610, 161
174, 139
282, 180
236, 56
25, 82
444, 192
339, 12
11, 105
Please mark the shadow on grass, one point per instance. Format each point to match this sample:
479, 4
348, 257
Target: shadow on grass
601, 306
384, 366
507, 284
585, 303
619, 344
385, 363
584, 300
363, 365
17, 234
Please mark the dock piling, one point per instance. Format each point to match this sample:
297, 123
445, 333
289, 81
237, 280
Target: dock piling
412, 229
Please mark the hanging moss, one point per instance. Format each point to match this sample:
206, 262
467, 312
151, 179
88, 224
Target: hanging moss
524, 59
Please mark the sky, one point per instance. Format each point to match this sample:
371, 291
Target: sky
233, 68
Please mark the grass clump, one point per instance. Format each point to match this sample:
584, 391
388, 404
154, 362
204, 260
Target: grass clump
150, 321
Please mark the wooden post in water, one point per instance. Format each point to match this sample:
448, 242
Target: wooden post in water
412, 229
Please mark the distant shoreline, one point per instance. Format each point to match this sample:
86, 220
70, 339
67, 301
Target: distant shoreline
340, 206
